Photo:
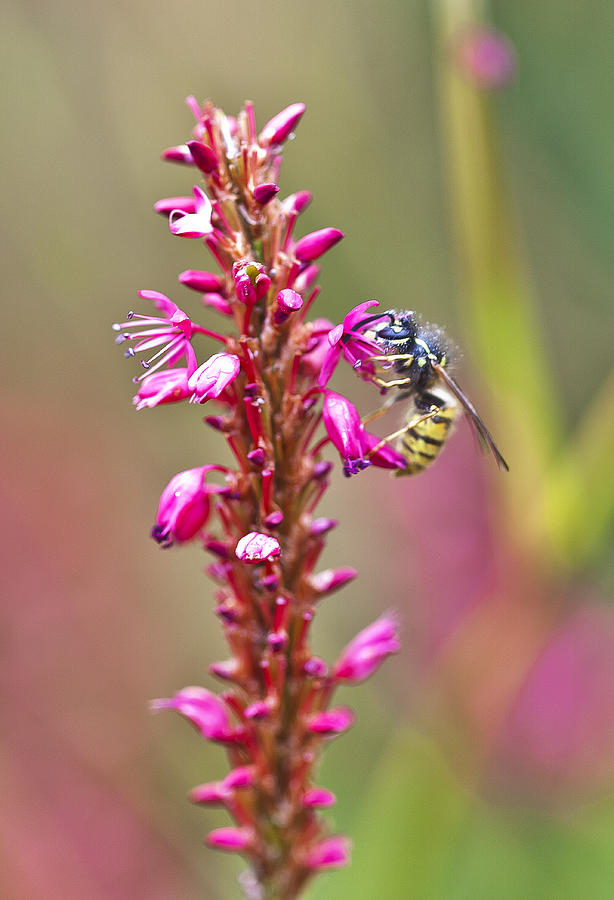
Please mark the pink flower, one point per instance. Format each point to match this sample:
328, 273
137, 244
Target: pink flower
171, 332
196, 224
316, 244
386, 457
166, 386
214, 376
229, 838
288, 302
281, 126
332, 721
330, 853
317, 346
344, 339
367, 651
256, 547
184, 506
346, 431
319, 798
329, 580
251, 281
203, 709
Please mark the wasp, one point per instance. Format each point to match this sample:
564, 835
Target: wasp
417, 355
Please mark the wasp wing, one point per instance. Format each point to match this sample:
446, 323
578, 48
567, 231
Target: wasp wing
471, 411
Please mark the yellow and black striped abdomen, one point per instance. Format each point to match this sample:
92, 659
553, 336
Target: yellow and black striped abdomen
423, 438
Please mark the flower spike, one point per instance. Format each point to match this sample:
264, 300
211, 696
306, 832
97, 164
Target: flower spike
257, 520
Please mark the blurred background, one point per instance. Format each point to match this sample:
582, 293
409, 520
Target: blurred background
482, 762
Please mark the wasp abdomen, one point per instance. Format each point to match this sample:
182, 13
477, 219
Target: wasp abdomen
424, 437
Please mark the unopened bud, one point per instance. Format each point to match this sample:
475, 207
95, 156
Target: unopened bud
316, 244
212, 793
319, 798
281, 126
180, 154
204, 157
296, 203
332, 721
204, 282
329, 853
264, 193
232, 839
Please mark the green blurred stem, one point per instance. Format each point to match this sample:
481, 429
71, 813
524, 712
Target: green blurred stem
580, 487
501, 321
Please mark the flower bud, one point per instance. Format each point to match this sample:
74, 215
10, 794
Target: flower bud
305, 279
218, 303
316, 244
251, 282
256, 547
241, 777
264, 193
225, 669
315, 667
204, 282
319, 798
329, 580
213, 793
184, 506
274, 519
279, 128
329, 853
296, 203
232, 839
332, 721
257, 456
203, 709
263, 283
204, 157
288, 301
322, 526
367, 651
258, 710
180, 154
214, 376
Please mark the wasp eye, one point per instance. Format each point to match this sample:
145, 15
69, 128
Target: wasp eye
394, 331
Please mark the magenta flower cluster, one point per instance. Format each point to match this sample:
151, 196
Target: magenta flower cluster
269, 377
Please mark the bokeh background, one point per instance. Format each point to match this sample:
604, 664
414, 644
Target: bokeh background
481, 765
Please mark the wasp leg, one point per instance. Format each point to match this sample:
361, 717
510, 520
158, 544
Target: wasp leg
387, 357
382, 410
390, 401
411, 424
381, 382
